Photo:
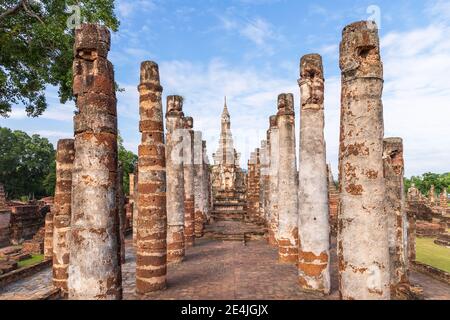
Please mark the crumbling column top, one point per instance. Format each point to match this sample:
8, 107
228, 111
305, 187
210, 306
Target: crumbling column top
360, 51
311, 66
285, 104
273, 121
188, 122
149, 75
91, 41
174, 106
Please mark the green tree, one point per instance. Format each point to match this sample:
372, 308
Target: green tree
129, 161
25, 162
425, 181
36, 44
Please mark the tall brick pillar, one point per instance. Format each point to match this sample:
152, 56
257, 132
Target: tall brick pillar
135, 212
273, 182
263, 174
121, 212
443, 201
395, 210
199, 193
206, 186
287, 181
65, 154
362, 229
188, 166
151, 227
94, 270
313, 224
175, 179
48, 236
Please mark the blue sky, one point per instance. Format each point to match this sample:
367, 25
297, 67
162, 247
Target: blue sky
249, 50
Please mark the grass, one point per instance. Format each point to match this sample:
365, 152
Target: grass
35, 259
431, 254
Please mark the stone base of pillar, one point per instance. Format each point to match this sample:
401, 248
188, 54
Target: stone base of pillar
313, 273
287, 251
271, 239
199, 224
406, 291
189, 223
151, 285
175, 244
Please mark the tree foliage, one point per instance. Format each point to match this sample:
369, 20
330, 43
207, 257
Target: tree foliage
128, 161
425, 181
25, 163
37, 48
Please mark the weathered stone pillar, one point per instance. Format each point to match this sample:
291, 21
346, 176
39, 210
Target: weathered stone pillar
135, 212
199, 193
189, 199
263, 173
432, 195
65, 154
287, 181
2, 197
205, 181
121, 212
362, 232
443, 201
273, 182
313, 224
48, 236
395, 210
175, 179
333, 202
151, 242
94, 270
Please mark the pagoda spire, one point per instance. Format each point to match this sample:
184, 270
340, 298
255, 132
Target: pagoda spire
225, 108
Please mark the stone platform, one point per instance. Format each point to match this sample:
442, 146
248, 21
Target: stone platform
234, 231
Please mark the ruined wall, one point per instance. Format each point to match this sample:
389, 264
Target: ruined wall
25, 221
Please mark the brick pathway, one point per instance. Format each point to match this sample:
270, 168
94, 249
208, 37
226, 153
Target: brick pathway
219, 270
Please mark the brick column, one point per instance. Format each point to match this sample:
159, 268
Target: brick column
199, 193
362, 229
48, 236
313, 224
135, 212
175, 179
287, 181
205, 181
395, 210
151, 227
273, 182
189, 200
94, 270
121, 213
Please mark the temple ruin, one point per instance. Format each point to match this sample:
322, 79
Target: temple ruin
282, 227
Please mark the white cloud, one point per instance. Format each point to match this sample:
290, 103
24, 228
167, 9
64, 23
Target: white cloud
256, 30
126, 8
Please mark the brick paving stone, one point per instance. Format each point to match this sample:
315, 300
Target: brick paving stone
215, 270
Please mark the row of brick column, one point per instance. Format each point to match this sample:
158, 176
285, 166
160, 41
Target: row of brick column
372, 236
85, 232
